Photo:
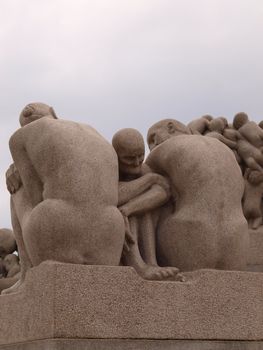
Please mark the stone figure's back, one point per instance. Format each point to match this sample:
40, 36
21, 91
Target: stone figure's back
73, 161
207, 229
78, 220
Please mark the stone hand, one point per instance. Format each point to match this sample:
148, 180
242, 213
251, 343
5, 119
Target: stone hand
124, 209
13, 179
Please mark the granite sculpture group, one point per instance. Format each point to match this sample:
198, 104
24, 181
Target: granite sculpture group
87, 213
75, 198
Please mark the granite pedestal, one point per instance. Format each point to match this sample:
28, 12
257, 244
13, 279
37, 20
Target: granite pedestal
64, 306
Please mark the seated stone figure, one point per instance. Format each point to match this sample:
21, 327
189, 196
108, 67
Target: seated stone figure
66, 209
140, 191
207, 228
249, 138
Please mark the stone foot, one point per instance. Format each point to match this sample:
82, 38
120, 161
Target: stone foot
14, 288
158, 273
256, 223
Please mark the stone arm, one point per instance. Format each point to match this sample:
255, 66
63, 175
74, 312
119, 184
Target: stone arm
131, 189
230, 143
147, 201
232, 134
28, 174
226, 141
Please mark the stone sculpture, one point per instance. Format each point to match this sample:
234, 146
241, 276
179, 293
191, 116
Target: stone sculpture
203, 174
77, 200
66, 209
7, 242
249, 141
140, 192
67, 182
11, 265
200, 125
252, 200
216, 129
9, 262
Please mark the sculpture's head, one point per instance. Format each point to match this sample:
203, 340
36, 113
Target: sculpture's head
225, 121
207, 117
7, 242
217, 124
165, 129
239, 120
260, 124
35, 111
10, 261
129, 146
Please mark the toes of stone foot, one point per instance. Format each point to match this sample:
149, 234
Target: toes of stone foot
180, 277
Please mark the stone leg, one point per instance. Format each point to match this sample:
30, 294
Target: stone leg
147, 239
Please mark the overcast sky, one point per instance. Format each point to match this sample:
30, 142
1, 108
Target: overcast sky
128, 63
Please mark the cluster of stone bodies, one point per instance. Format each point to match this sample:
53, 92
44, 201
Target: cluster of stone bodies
245, 139
75, 198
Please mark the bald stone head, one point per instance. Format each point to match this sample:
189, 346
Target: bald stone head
217, 124
35, 111
7, 242
165, 129
129, 146
239, 120
10, 261
207, 117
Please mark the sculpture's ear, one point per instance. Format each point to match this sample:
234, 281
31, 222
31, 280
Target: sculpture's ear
52, 112
171, 127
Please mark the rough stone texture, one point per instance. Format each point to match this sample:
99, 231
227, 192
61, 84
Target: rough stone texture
120, 344
114, 302
256, 249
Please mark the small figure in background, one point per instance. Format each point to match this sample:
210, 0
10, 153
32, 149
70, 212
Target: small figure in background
252, 199
11, 265
216, 128
200, 125
249, 141
9, 262
7, 242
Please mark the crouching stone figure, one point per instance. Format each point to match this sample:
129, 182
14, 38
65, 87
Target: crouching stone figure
206, 228
66, 209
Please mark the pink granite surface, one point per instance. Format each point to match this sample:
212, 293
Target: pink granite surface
77, 301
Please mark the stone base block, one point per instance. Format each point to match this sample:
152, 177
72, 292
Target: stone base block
255, 262
122, 344
64, 301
